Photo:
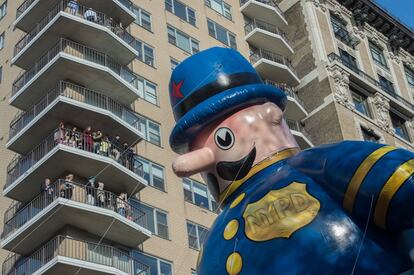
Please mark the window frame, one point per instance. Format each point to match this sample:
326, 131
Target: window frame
142, 54
386, 84
403, 126
192, 20
228, 34
145, 83
362, 100
146, 130
375, 50
212, 204
199, 241
2, 40
173, 60
409, 75
152, 164
372, 136
224, 4
1, 74
155, 211
192, 41
139, 13
3, 10
158, 260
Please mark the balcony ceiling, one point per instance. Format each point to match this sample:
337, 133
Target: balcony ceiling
275, 71
269, 41
264, 12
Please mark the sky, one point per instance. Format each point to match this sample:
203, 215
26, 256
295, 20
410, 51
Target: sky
403, 9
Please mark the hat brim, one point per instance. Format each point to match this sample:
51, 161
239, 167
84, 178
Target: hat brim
219, 105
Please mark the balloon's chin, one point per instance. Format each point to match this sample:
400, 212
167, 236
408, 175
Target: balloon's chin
236, 170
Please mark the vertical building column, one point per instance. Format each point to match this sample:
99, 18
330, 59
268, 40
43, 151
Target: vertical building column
340, 83
382, 113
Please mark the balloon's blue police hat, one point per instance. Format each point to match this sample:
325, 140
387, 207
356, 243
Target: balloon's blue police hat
210, 85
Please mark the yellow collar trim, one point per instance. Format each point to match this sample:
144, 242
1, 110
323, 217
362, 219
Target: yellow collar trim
256, 168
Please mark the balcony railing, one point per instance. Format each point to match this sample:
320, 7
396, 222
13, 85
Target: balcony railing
77, 50
297, 126
389, 90
258, 54
75, 192
343, 35
259, 24
79, 250
80, 94
81, 141
26, 4
82, 12
267, 2
289, 91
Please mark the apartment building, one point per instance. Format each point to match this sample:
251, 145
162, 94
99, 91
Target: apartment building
346, 67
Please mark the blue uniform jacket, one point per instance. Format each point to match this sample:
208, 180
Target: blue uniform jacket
344, 208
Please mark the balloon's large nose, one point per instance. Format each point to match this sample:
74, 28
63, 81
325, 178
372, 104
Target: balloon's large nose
193, 162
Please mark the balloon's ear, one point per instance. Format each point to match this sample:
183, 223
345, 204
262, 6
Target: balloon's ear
193, 162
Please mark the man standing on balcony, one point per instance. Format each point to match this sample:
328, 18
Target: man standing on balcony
334, 209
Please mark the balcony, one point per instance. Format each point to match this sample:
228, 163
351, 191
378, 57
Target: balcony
295, 108
78, 106
66, 255
65, 150
83, 65
274, 67
264, 10
76, 205
83, 25
372, 85
32, 11
300, 134
267, 37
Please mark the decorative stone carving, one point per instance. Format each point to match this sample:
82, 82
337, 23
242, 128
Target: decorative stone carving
374, 35
358, 33
394, 56
339, 9
382, 106
341, 91
319, 4
406, 58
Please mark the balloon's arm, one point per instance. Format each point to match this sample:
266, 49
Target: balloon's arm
371, 181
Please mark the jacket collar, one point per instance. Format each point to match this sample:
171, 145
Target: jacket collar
276, 157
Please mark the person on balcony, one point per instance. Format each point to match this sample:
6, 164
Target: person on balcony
97, 139
90, 190
101, 194
73, 7
87, 139
66, 187
127, 156
121, 202
60, 133
73, 138
91, 15
116, 148
48, 190
105, 146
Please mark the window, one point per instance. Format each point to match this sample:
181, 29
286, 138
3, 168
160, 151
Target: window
156, 265
196, 235
145, 52
339, 29
221, 34
369, 135
386, 85
193, 272
143, 18
174, 63
349, 60
181, 10
410, 76
2, 41
153, 173
377, 55
182, 40
3, 9
146, 90
151, 130
399, 126
360, 102
157, 220
197, 193
219, 6
1, 73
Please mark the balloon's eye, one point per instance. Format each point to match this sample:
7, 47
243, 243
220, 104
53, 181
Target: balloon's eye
224, 138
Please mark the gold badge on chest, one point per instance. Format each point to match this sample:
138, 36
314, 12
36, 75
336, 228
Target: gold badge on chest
280, 213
